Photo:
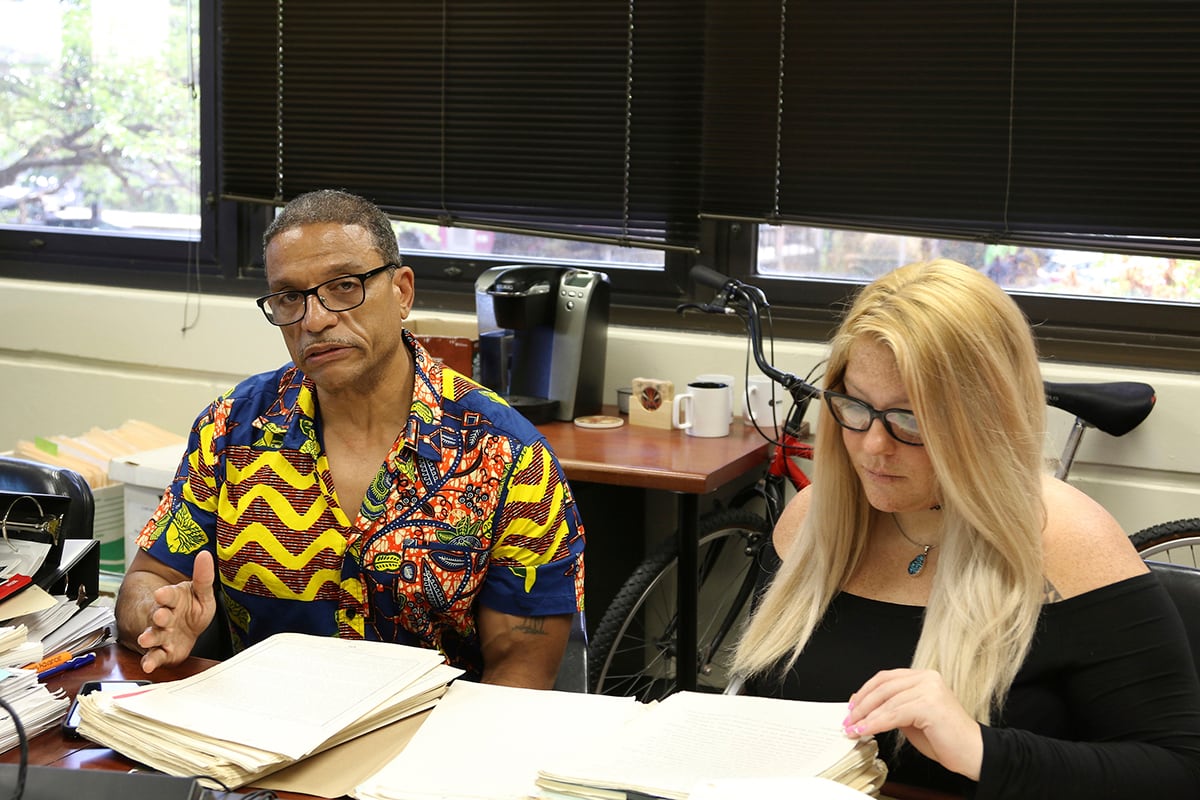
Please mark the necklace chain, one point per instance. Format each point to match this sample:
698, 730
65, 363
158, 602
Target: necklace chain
918, 563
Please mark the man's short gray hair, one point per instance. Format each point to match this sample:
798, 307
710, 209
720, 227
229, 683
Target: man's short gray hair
343, 208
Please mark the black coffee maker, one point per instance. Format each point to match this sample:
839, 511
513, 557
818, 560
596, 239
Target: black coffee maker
543, 334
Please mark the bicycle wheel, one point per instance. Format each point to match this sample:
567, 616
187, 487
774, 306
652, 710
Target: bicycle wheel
633, 650
1176, 542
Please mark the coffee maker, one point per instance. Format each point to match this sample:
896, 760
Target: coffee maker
543, 333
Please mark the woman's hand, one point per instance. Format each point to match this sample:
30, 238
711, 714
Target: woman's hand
918, 704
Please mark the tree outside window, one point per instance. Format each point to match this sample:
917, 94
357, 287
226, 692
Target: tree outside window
99, 116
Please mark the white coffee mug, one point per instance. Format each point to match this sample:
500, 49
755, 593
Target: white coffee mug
703, 410
728, 380
764, 403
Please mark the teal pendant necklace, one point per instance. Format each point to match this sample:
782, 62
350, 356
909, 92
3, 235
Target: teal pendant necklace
918, 563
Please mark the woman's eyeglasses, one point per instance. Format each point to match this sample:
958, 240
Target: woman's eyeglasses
855, 415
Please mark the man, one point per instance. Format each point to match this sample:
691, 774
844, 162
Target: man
364, 490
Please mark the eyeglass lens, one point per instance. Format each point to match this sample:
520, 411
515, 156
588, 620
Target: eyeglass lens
339, 294
854, 414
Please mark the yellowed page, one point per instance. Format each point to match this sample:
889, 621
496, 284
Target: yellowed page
514, 729
692, 737
336, 771
288, 694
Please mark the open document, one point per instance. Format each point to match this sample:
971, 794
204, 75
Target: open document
562, 745
691, 740
517, 729
275, 703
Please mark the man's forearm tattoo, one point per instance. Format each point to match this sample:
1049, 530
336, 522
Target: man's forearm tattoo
535, 626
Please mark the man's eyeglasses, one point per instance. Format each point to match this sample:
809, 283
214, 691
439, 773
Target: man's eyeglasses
336, 294
855, 415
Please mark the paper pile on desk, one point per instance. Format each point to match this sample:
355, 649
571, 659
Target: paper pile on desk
611, 748
539, 724
16, 648
691, 740
67, 626
37, 707
271, 705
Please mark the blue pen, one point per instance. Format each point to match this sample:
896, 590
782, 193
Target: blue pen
74, 663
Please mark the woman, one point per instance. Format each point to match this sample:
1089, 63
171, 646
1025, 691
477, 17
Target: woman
997, 620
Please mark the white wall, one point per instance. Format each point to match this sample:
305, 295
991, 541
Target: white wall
77, 356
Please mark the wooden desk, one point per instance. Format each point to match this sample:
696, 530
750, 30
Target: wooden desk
652, 458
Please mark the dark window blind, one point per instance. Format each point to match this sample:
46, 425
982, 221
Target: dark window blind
579, 119
1052, 122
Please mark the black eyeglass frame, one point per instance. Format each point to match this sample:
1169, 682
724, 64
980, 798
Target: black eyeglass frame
875, 414
315, 291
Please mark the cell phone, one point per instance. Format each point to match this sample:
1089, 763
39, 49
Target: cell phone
70, 725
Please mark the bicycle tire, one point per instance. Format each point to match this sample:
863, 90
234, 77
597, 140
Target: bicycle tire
632, 651
1177, 542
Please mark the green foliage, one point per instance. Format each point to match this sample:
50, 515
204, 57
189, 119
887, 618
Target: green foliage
86, 128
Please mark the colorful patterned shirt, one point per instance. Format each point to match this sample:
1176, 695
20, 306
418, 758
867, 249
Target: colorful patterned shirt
469, 506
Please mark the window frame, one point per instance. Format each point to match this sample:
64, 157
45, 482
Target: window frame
227, 260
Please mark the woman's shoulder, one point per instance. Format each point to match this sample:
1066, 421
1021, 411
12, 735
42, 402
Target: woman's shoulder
1084, 547
788, 526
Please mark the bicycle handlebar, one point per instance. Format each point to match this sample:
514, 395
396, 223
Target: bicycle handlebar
748, 303
706, 276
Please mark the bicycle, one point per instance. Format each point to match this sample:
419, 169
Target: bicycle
633, 649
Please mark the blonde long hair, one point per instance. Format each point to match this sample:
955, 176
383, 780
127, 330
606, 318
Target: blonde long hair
969, 363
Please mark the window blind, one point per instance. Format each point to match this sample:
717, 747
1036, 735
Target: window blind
1055, 122
577, 119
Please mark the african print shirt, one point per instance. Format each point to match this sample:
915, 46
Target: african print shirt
470, 506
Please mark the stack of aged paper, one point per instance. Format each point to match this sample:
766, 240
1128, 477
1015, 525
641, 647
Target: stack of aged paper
565, 745
37, 707
692, 739
64, 625
518, 729
269, 706
16, 648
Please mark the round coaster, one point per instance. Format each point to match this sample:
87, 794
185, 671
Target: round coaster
599, 421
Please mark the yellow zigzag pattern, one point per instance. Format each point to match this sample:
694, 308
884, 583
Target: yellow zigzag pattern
277, 587
194, 468
277, 465
279, 505
533, 493
259, 534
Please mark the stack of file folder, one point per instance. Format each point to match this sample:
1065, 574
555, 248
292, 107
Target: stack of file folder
270, 706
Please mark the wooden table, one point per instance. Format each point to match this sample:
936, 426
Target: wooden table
670, 460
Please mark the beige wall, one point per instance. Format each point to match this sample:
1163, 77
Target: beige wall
75, 356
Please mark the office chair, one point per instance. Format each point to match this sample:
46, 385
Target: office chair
1183, 584
573, 672
217, 641
59, 494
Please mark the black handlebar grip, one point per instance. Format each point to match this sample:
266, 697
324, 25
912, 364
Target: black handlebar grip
707, 276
